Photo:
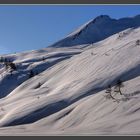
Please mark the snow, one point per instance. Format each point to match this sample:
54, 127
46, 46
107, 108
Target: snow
98, 29
67, 96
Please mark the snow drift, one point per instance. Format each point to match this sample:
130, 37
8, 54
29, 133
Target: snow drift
67, 95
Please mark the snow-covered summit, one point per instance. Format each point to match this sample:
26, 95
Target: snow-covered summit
98, 29
67, 93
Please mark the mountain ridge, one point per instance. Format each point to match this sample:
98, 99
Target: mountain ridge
97, 29
66, 94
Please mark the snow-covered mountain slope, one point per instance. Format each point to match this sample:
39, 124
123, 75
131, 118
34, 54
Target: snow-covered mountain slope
69, 98
98, 29
37, 61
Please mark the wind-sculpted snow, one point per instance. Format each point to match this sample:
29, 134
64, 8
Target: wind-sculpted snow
68, 97
98, 29
33, 61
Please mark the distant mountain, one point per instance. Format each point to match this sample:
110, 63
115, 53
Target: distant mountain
98, 29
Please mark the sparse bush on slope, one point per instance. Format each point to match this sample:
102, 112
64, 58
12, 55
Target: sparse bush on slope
118, 87
138, 42
31, 74
109, 93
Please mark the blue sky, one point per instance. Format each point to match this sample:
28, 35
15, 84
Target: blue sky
29, 27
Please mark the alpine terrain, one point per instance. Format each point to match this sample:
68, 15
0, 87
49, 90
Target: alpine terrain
88, 83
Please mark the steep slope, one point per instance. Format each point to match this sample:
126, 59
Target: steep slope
36, 61
70, 98
98, 29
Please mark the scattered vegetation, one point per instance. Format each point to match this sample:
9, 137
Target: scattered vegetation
38, 86
117, 89
8, 64
138, 42
4, 60
106, 54
2, 109
91, 53
43, 58
31, 74
108, 91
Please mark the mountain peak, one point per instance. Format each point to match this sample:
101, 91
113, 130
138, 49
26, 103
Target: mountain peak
101, 17
98, 29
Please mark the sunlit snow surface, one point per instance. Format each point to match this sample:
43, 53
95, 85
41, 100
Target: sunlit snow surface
71, 99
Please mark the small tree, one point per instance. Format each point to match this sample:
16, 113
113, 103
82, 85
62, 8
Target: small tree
1, 59
5, 60
109, 91
138, 42
118, 87
31, 74
43, 58
39, 85
10, 65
